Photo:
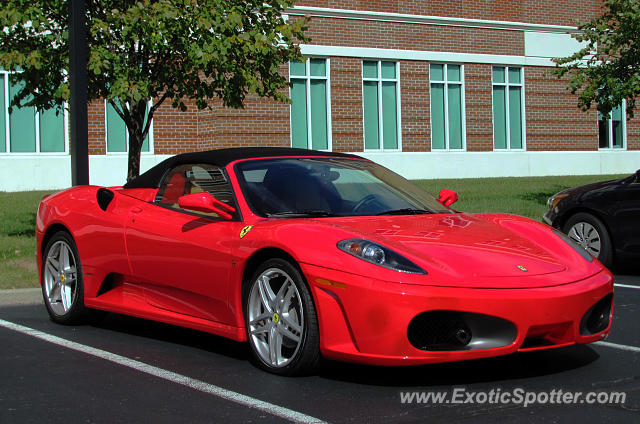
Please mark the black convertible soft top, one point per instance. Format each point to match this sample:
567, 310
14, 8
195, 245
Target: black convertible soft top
221, 157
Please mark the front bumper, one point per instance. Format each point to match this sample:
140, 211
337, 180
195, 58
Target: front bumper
366, 320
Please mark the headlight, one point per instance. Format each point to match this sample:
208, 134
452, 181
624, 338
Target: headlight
575, 245
379, 255
555, 199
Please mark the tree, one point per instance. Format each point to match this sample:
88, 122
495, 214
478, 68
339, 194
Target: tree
147, 51
607, 69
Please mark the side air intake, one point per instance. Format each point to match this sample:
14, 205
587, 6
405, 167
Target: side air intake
104, 197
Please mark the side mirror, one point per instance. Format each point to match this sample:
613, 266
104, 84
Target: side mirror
447, 197
205, 202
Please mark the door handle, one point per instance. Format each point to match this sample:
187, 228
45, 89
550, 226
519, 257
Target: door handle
136, 210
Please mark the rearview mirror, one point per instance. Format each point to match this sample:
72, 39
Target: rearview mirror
205, 202
447, 197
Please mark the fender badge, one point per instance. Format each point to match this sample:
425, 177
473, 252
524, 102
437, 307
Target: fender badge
521, 268
245, 230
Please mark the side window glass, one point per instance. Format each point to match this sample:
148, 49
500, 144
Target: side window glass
196, 178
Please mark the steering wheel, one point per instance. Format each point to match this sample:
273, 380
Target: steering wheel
365, 200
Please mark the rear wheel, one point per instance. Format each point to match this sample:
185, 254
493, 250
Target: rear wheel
589, 232
281, 321
61, 279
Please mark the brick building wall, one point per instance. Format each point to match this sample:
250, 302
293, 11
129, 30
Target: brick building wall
404, 36
477, 35
553, 120
552, 12
96, 122
415, 101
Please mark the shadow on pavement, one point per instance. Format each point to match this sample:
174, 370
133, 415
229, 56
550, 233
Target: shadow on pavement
172, 334
515, 366
510, 367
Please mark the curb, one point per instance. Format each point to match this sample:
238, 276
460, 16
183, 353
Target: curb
30, 296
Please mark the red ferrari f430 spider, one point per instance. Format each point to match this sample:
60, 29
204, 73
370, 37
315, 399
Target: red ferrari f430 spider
307, 254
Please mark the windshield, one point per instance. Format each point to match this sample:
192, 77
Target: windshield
330, 187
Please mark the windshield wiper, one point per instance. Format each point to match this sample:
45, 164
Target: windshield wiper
405, 211
301, 214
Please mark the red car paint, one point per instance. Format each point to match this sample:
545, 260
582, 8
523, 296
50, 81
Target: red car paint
174, 267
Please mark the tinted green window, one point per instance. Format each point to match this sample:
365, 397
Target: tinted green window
617, 127
453, 73
499, 117
299, 114
370, 69
447, 117
436, 72
309, 116
3, 108
508, 127
455, 116
51, 131
514, 75
498, 74
22, 126
145, 142
603, 132
317, 67
116, 132
319, 140
297, 68
611, 131
371, 127
380, 100
515, 118
437, 116
388, 70
389, 116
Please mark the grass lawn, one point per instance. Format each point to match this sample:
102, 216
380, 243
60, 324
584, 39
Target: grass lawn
522, 196
525, 196
17, 239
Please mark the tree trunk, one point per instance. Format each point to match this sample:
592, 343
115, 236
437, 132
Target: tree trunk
135, 128
135, 146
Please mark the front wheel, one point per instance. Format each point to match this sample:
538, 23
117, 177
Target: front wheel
589, 232
281, 321
61, 279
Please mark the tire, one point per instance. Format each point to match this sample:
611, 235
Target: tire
62, 282
281, 320
589, 232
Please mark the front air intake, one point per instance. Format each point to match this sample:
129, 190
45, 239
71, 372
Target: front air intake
439, 330
597, 317
455, 330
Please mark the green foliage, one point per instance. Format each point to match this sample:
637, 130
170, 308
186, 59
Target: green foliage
607, 69
152, 50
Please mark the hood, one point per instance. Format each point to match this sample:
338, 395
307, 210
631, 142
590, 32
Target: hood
593, 187
456, 250
463, 244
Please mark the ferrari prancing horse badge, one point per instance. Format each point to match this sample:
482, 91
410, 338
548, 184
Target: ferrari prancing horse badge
245, 230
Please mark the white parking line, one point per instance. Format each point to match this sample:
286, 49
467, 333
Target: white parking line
201, 386
619, 346
627, 286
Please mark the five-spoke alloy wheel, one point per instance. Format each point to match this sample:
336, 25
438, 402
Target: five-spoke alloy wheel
61, 278
282, 327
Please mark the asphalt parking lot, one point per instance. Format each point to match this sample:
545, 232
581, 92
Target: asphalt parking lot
131, 370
